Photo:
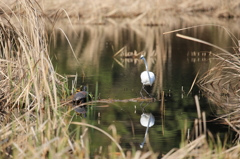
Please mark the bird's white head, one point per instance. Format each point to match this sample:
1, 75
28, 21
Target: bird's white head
141, 57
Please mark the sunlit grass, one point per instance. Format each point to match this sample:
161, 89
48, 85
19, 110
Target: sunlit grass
137, 12
33, 94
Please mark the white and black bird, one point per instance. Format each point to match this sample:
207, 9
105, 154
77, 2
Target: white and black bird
147, 78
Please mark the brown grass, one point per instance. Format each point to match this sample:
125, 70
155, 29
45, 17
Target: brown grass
31, 94
27, 74
28, 81
137, 12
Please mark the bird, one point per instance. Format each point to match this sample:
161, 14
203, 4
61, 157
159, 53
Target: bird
80, 97
147, 78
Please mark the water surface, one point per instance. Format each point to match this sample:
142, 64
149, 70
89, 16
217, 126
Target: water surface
174, 61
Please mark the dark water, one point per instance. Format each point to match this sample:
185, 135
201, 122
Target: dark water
174, 63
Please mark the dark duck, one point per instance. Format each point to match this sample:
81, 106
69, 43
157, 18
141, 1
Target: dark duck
80, 97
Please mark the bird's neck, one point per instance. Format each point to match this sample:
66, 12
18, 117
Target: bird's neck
147, 71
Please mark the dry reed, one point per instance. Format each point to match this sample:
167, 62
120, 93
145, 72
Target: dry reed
28, 81
31, 92
137, 12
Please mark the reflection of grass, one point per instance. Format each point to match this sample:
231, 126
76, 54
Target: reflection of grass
220, 85
204, 144
221, 81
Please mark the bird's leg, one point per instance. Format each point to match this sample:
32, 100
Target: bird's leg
146, 92
141, 90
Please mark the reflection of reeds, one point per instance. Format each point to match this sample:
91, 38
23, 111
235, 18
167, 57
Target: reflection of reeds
204, 144
221, 81
220, 85
89, 42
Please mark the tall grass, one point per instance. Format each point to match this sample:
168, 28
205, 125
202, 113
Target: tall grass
28, 83
28, 76
32, 93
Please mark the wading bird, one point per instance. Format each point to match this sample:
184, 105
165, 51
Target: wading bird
147, 78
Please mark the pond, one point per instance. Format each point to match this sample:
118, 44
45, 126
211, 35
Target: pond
174, 61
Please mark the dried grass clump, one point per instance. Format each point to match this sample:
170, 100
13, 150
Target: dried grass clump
221, 82
28, 81
27, 75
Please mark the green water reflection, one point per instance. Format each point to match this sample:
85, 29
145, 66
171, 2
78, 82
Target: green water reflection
163, 135
169, 57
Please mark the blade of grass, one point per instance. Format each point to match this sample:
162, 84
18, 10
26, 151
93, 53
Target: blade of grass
104, 132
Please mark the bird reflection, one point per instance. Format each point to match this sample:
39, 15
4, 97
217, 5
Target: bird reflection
79, 100
81, 110
146, 120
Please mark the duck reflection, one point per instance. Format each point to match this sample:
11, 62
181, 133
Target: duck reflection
147, 120
79, 100
81, 110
